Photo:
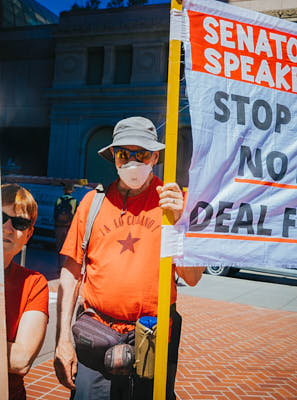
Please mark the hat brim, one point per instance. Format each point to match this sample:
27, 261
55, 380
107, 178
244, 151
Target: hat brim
147, 144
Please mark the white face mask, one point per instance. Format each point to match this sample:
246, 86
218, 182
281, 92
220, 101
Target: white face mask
134, 174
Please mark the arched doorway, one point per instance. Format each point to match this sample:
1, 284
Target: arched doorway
97, 169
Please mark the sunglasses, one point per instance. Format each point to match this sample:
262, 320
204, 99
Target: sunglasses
125, 154
19, 223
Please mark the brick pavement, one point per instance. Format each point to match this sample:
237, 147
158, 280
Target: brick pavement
228, 352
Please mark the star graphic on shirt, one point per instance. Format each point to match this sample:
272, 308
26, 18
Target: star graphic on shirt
128, 244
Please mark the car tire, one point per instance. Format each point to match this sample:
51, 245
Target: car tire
221, 271
217, 270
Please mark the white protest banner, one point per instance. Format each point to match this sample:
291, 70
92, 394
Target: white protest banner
241, 74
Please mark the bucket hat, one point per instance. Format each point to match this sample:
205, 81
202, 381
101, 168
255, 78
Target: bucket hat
133, 131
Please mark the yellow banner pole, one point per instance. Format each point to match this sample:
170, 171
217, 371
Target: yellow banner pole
3, 340
160, 375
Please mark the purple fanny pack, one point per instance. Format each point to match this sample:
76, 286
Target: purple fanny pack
93, 338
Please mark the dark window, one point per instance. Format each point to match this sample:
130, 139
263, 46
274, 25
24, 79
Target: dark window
123, 66
25, 12
166, 62
182, 63
95, 65
8, 15
184, 156
24, 151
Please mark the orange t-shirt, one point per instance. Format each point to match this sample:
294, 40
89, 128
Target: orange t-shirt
122, 273
25, 290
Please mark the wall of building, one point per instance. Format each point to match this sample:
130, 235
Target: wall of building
26, 73
84, 110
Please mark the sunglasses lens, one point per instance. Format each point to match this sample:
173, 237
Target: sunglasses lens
5, 218
123, 154
143, 155
19, 223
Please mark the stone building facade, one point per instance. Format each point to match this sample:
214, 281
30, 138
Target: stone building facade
110, 64
65, 85
285, 9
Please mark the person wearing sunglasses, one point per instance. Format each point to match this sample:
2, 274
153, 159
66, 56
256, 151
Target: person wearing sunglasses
26, 291
123, 260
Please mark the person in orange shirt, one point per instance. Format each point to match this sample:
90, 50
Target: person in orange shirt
26, 291
123, 260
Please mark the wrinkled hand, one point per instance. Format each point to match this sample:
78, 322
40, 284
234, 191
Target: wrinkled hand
171, 198
65, 364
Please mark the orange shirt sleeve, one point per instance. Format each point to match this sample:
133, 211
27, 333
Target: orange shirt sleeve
38, 296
